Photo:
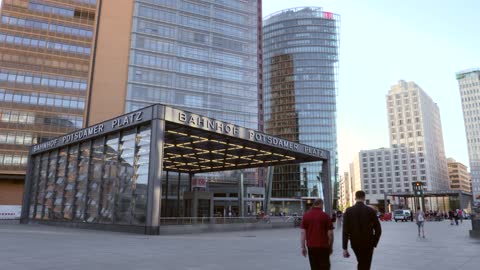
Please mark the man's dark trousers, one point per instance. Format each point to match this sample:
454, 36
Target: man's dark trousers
364, 257
319, 258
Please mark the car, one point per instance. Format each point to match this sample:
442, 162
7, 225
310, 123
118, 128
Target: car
403, 215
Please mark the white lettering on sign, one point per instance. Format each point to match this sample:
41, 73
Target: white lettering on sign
127, 120
87, 132
208, 124
45, 145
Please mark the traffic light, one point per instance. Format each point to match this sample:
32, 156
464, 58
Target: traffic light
418, 188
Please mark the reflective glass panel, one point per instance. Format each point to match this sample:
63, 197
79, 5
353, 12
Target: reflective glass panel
60, 184
123, 207
71, 179
41, 186
52, 171
95, 180
35, 179
110, 179
82, 181
142, 155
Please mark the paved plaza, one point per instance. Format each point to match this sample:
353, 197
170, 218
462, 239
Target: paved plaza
46, 247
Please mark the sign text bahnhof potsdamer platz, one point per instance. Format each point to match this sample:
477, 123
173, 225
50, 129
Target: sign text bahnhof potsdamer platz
109, 175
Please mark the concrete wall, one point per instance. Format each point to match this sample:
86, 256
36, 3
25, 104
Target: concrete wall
109, 85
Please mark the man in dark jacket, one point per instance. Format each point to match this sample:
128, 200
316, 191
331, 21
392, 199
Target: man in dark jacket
362, 228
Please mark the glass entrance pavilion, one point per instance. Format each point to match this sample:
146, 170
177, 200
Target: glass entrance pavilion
109, 175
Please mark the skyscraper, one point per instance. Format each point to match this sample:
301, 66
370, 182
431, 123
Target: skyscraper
469, 84
300, 49
414, 124
46, 54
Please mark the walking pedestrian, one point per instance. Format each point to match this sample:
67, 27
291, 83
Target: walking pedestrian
420, 219
460, 215
339, 219
451, 217
317, 237
362, 228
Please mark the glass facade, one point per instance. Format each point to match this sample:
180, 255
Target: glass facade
197, 55
300, 61
45, 53
469, 86
201, 56
100, 180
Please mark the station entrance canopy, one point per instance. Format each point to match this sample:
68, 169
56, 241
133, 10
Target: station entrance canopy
81, 177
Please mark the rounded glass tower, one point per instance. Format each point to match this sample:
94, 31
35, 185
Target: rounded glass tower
300, 62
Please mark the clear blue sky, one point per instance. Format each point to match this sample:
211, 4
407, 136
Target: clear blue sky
383, 41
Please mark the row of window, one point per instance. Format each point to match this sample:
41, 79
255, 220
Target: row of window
202, 54
292, 32
42, 99
89, 2
45, 8
39, 43
195, 22
49, 63
17, 138
10, 76
322, 38
160, 30
13, 159
158, 77
21, 117
58, 28
40, 6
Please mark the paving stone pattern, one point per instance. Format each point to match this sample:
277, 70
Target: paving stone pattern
46, 247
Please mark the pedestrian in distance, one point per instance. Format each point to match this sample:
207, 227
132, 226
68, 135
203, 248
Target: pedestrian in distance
455, 216
317, 237
362, 228
420, 219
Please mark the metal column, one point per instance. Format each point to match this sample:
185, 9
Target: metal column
154, 200
241, 201
166, 195
178, 194
326, 186
268, 190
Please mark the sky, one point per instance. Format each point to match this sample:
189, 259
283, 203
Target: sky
384, 41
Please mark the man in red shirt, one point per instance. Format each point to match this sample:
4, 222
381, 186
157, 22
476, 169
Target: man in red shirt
317, 236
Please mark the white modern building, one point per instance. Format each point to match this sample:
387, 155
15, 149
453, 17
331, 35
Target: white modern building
416, 151
469, 84
414, 124
387, 170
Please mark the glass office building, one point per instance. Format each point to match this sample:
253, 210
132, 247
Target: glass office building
300, 60
45, 57
199, 55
